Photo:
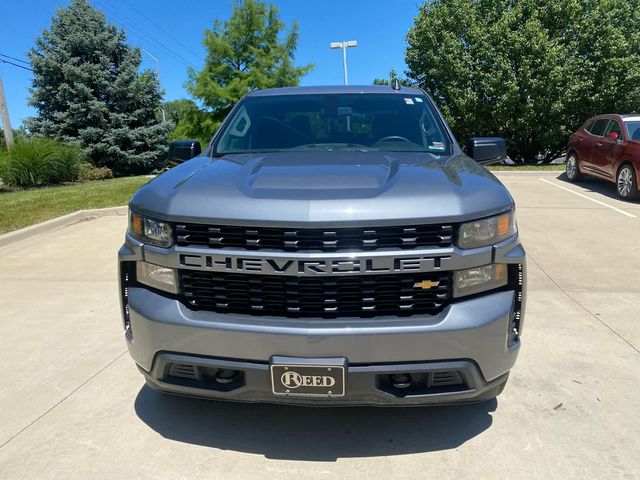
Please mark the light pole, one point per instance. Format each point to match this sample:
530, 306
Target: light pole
344, 46
4, 114
164, 119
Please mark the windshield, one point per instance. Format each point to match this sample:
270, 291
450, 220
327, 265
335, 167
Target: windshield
633, 129
389, 122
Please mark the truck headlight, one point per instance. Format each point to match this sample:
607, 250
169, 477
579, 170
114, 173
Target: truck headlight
155, 276
150, 231
487, 231
479, 279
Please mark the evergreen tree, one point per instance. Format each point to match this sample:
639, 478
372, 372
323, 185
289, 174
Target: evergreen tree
243, 54
87, 90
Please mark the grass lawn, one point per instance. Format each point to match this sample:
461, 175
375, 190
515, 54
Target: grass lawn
515, 168
23, 208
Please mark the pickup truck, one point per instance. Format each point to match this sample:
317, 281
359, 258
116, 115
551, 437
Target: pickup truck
330, 246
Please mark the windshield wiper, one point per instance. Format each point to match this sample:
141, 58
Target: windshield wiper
244, 152
333, 147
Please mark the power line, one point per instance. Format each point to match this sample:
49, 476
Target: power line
16, 65
162, 29
144, 35
14, 58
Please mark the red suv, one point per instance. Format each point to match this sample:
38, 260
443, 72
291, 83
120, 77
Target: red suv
607, 147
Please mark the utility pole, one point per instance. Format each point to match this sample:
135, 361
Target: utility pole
164, 119
6, 123
344, 46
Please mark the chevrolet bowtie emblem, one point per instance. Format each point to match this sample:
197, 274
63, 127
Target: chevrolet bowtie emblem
425, 284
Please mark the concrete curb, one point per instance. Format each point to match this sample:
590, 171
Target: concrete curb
58, 222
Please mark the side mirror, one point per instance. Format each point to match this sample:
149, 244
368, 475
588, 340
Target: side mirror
487, 150
182, 150
613, 135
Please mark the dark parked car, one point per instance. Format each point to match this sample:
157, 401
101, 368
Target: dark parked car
607, 147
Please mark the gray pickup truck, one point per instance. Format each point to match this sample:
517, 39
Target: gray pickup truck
330, 246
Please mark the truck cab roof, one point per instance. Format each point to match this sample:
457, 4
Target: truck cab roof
335, 89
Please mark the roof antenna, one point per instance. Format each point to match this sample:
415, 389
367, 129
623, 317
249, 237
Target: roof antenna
395, 84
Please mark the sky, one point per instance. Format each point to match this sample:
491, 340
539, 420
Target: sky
172, 31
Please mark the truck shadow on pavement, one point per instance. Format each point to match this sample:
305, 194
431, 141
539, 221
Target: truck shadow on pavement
312, 434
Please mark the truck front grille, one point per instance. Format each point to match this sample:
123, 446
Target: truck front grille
323, 297
315, 239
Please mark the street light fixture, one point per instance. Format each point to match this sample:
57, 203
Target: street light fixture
344, 46
164, 118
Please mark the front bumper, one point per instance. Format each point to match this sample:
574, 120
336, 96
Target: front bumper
366, 384
469, 337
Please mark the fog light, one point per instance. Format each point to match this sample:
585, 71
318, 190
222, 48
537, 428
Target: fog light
155, 276
401, 380
480, 279
225, 376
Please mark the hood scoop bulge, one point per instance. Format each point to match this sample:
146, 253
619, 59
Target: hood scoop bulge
310, 173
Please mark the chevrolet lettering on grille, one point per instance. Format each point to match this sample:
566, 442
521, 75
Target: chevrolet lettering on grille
335, 266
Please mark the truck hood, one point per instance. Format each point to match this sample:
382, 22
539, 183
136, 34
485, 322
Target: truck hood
324, 187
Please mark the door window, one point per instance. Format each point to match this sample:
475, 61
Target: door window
589, 124
633, 129
599, 127
614, 127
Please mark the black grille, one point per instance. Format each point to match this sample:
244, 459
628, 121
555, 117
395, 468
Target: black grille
441, 379
184, 370
326, 297
309, 239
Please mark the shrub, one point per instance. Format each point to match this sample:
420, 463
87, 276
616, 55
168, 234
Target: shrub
89, 171
3, 168
40, 161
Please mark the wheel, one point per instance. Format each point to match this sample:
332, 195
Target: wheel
626, 183
573, 170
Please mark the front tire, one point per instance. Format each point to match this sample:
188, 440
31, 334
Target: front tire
627, 183
573, 168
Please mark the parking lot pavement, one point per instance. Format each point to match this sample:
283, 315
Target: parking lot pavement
74, 406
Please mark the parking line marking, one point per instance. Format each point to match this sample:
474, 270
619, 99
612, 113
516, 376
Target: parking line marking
588, 198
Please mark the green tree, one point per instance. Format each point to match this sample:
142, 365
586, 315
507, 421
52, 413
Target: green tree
187, 119
393, 75
87, 89
174, 109
243, 54
529, 70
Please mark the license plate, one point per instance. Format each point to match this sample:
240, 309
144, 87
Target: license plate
308, 380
